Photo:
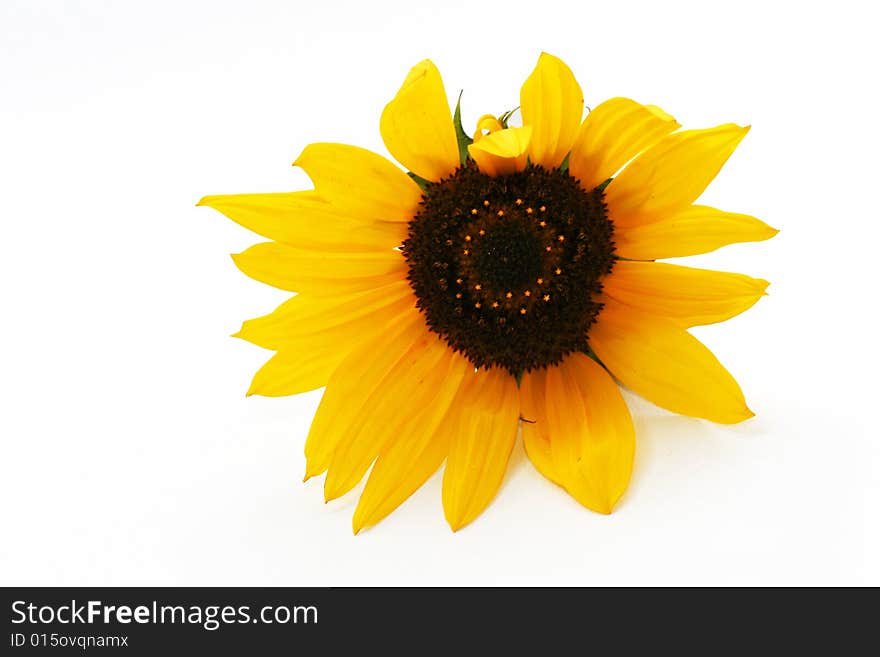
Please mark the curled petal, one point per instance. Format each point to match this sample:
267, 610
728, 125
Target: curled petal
502, 152
417, 125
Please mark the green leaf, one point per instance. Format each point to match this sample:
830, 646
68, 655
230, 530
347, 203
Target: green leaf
463, 140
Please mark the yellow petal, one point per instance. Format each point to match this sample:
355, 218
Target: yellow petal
308, 323
360, 183
582, 436
413, 455
360, 374
611, 135
533, 409
671, 175
290, 374
663, 363
306, 220
417, 125
324, 272
659, 113
489, 123
551, 103
696, 229
482, 422
687, 296
502, 152
314, 335
416, 382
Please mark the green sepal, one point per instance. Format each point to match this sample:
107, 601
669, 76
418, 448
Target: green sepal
463, 140
602, 187
564, 166
421, 182
504, 118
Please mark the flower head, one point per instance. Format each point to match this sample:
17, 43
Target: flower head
502, 281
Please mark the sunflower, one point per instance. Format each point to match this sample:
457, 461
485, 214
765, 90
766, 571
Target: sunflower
504, 281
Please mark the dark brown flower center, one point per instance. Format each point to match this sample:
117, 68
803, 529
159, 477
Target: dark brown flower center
505, 269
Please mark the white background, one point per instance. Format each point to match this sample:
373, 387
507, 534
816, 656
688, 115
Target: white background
130, 454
